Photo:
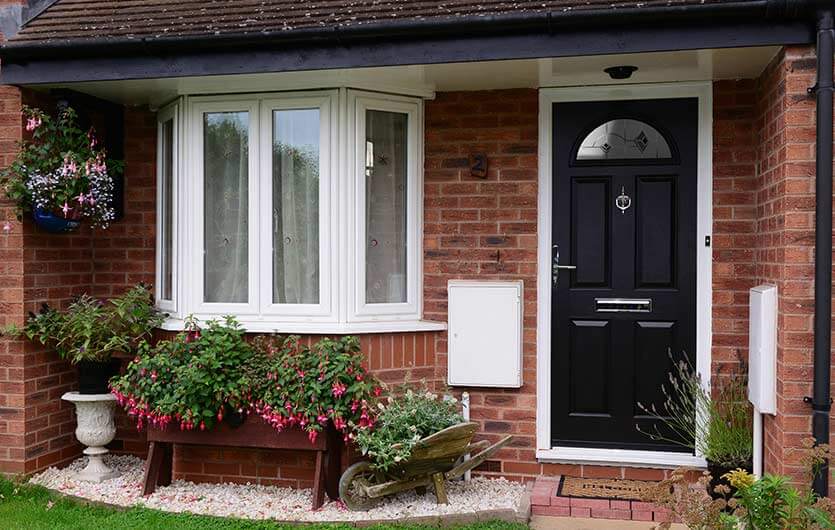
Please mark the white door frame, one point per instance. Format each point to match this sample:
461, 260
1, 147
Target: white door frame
703, 91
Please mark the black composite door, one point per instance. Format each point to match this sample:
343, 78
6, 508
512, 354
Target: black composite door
624, 214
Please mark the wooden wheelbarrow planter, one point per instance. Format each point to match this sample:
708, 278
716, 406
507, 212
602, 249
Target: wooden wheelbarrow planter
433, 460
255, 433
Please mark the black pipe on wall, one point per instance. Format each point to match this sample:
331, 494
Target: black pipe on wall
821, 399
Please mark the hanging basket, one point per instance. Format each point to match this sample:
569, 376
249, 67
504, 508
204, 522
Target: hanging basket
54, 223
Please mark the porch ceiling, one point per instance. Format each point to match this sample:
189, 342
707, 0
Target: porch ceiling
425, 80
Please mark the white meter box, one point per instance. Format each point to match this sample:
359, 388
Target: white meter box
485, 333
762, 349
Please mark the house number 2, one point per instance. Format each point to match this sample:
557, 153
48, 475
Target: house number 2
623, 201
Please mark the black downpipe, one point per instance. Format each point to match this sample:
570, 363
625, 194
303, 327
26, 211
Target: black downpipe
821, 400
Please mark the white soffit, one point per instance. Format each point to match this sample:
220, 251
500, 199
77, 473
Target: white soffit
425, 80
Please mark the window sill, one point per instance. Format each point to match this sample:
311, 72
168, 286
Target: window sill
265, 326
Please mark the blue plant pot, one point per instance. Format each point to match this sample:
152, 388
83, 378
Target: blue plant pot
53, 223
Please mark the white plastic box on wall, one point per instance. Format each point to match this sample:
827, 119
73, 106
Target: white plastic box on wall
485, 333
762, 350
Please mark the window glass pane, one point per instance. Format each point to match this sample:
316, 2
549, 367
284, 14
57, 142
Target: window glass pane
226, 249
624, 139
296, 206
386, 150
166, 182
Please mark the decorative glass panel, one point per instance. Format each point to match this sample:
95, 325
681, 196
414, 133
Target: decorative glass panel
226, 208
624, 139
386, 152
166, 183
295, 206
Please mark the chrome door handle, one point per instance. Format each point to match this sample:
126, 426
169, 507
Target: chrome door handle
556, 267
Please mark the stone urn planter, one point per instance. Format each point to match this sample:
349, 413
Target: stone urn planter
95, 428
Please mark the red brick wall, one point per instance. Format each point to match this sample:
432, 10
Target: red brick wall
734, 218
12, 402
485, 228
43, 268
785, 249
123, 255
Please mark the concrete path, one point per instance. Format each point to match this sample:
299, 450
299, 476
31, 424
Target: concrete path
542, 522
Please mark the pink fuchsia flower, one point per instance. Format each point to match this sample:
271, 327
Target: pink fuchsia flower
66, 208
338, 389
33, 123
377, 391
81, 198
7, 227
70, 168
312, 435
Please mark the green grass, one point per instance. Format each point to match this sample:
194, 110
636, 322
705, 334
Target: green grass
27, 507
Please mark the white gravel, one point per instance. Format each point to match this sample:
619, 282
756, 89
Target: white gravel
268, 502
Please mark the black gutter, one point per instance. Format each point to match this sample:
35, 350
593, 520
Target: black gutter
821, 400
538, 22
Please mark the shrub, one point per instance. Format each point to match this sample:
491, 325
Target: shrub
719, 426
93, 330
191, 380
402, 422
311, 386
202, 375
768, 503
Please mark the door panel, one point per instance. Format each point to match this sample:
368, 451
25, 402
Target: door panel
590, 244
625, 216
655, 237
590, 349
652, 364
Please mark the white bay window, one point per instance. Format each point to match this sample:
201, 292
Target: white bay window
295, 212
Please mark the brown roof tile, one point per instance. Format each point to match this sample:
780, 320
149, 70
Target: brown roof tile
78, 20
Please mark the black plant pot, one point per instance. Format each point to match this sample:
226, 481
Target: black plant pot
93, 376
232, 417
717, 471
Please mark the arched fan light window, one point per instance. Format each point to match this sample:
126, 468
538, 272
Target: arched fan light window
624, 139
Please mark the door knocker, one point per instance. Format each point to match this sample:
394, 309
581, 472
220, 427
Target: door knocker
623, 201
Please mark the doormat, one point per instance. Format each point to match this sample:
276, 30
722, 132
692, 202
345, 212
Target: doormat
604, 488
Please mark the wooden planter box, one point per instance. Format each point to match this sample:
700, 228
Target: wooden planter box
255, 433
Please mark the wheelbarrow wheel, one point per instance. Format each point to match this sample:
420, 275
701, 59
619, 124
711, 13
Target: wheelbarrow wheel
353, 484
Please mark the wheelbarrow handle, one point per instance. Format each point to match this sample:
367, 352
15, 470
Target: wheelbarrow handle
476, 460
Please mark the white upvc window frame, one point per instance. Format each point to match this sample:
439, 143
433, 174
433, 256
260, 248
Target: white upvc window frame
171, 113
195, 181
327, 103
358, 103
341, 307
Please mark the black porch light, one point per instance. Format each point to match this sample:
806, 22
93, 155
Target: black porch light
621, 72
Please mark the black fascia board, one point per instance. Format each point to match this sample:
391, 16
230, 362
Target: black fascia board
529, 36
63, 68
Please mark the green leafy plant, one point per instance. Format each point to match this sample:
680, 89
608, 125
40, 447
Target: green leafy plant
192, 379
312, 386
767, 503
402, 421
91, 329
719, 426
61, 170
202, 375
